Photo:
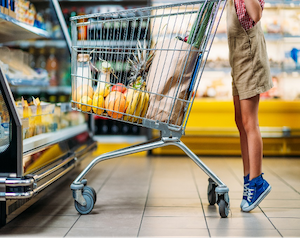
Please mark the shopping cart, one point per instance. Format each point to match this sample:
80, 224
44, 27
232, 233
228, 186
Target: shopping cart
143, 67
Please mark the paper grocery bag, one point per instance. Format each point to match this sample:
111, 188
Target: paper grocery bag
169, 80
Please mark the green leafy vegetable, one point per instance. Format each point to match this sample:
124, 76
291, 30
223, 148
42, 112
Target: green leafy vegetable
200, 25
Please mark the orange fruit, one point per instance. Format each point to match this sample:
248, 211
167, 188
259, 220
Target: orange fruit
98, 101
85, 100
116, 102
81, 91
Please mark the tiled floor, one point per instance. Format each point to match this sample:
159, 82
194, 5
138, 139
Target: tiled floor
164, 196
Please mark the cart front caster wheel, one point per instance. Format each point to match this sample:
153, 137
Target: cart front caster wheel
223, 209
211, 193
83, 210
91, 191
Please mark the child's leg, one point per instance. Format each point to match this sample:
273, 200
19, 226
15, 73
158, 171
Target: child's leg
258, 187
243, 135
249, 111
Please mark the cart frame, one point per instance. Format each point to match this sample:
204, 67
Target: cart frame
85, 196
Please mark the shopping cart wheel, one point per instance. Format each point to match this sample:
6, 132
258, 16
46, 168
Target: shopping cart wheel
89, 203
91, 191
211, 193
223, 208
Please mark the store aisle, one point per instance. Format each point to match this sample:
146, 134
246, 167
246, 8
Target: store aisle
164, 196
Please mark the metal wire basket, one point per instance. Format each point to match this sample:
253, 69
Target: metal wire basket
141, 69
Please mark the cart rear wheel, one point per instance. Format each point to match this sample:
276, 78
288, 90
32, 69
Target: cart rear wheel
91, 191
223, 209
211, 193
89, 204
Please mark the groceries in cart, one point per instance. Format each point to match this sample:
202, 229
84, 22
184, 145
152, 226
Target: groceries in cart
173, 86
162, 69
112, 99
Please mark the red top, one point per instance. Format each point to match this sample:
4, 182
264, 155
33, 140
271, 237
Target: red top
245, 20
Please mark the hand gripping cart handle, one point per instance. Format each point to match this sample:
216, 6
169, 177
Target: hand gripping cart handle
142, 66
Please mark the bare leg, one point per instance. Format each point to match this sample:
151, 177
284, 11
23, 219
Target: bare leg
249, 111
243, 135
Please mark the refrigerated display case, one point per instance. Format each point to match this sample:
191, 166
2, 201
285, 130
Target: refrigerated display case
38, 149
211, 129
38, 144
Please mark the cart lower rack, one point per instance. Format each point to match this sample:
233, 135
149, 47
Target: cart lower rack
143, 67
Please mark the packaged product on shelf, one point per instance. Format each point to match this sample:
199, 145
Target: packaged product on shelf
4, 125
37, 118
273, 92
52, 68
291, 22
16, 67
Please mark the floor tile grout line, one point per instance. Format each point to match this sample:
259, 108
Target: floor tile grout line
105, 181
150, 181
270, 221
109, 176
234, 175
195, 182
282, 180
72, 226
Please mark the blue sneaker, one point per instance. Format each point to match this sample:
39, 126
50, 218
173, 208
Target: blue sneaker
258, 189
245, 193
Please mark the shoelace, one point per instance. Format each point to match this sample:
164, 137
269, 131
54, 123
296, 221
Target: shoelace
250, 194
245, 193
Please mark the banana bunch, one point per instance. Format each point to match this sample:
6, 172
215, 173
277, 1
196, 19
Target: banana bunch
137, 104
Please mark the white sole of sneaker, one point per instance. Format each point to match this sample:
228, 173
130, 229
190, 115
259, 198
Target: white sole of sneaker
258, 201
243, 203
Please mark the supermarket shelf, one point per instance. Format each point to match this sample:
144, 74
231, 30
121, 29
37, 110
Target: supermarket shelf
46, 139
120, 139
27, 82
42, 89
38, 44
282, 3
12, 30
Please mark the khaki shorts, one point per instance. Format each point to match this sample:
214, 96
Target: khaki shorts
250, 64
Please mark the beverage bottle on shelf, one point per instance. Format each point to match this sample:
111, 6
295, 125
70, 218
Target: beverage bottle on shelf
65, 12
41, 60
72, 14
48, 21
1, 130
82, 30
115, 128
31, 60
51, 67
65, 74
